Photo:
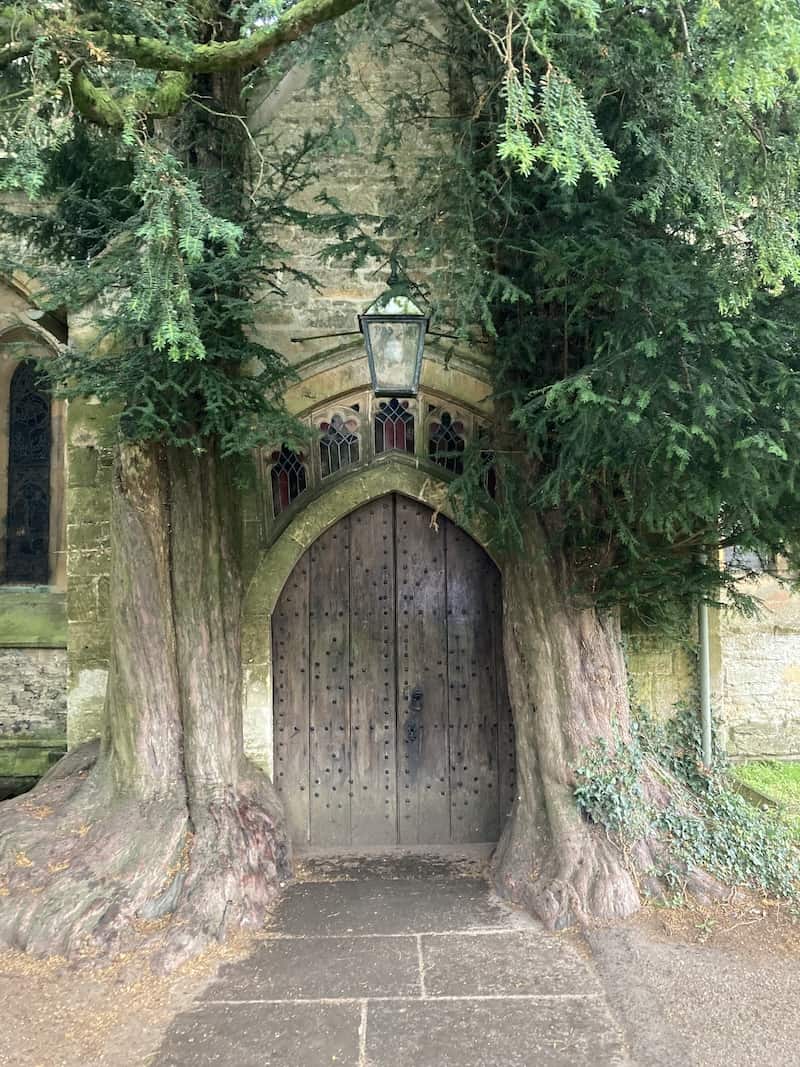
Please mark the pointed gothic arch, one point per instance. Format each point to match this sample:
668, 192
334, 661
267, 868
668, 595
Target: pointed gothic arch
32, 448
392, 474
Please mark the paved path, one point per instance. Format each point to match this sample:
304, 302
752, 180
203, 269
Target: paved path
400, 961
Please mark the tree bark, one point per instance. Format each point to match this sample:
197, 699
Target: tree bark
568, 688
171, 831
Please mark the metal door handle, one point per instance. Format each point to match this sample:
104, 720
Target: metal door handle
413, 724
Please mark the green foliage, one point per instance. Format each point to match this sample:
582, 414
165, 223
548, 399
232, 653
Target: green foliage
154, 216
175, 230
614, 203
176, 289
642, 316
703, 821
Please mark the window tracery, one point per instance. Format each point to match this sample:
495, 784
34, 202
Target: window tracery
339, 446
394, 426
289, 478
447, 441
28, 506
356, 430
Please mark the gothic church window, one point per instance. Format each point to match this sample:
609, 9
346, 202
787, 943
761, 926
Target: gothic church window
446, 442
394, 426
339, 445
28, 507
289, 478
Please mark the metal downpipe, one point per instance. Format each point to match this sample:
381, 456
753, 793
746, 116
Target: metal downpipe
704, 668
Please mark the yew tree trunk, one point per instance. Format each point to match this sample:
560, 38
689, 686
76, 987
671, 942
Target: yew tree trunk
164, 827
568, 688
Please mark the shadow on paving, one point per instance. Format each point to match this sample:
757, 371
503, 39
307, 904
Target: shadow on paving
378, 961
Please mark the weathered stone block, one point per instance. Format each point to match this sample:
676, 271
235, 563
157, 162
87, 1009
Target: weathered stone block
85, 536
86, 704
89, 504
81, 600
82, 467
779, 738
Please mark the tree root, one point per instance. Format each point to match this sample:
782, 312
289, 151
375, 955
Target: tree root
590, 880
582, 880
86, 874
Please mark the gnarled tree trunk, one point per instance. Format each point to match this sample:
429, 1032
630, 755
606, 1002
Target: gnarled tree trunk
568, 688
165, 826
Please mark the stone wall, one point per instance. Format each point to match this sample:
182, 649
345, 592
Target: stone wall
760, 676
89, 457
662, 673
33, 692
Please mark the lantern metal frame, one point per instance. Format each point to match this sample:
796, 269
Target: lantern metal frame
370, 318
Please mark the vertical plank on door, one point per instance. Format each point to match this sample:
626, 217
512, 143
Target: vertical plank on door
329, 726
291, 700
423, 799
373, 698
471, 590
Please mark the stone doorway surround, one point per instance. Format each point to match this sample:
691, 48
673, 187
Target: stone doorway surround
391, 474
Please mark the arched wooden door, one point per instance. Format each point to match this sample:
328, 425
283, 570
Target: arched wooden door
392, 721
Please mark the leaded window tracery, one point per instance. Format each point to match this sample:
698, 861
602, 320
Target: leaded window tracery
394, 426
447, 441
339, 446
289, 478
28, 511
352, 431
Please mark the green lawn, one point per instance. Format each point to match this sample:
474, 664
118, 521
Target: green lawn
778, 781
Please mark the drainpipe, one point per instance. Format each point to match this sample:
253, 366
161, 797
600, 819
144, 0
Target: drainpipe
705, 678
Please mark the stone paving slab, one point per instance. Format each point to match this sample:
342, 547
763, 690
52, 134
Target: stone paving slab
497, 1033
378, 906
303, 968
360, 968
503, 963
263, 1035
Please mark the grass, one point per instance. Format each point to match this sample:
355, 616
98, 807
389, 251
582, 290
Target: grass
778, 781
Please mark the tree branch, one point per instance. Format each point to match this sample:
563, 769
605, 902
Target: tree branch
152, 54
99, 105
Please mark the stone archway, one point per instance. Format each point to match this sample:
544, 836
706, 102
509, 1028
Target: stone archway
390, 475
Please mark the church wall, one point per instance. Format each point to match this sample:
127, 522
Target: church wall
33, 632
760, 662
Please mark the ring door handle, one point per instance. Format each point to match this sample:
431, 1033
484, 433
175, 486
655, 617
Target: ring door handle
413, 724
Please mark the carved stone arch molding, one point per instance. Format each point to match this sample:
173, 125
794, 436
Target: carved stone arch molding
276, 563
18, 342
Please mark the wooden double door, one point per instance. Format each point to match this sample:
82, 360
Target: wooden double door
391, 718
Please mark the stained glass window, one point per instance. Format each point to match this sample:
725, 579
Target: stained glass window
338, 447
28, 513
394, 426
289, 478
446, 440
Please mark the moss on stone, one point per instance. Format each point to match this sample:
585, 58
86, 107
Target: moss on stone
32, 617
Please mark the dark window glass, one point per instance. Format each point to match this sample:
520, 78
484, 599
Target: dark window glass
338, 447
28, 515
394, 427
288, 478
446, 442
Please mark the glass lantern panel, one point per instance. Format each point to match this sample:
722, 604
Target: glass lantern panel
394, 350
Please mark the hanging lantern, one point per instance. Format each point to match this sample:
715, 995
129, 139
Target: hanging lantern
394, 330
